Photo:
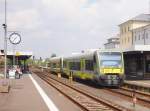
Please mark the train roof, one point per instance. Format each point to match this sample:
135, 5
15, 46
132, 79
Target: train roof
55, 59
110, 50
90, 54
80, 55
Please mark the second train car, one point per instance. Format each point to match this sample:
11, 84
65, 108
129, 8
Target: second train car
103, 67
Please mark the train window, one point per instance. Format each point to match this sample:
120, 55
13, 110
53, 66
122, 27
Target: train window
53, 65
89, 65
57, 65
74, 65
64, 64
94, 59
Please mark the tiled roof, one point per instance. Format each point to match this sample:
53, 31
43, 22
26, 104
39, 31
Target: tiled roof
142, 17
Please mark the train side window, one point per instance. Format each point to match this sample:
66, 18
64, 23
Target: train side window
94, 59
89, 65
70, 65
64, 64
74, 65
57, 65
54, 65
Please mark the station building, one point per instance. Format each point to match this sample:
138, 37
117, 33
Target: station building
135, 43
112, 43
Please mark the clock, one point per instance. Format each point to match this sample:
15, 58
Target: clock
15, 38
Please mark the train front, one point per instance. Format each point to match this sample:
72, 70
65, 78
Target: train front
111, 68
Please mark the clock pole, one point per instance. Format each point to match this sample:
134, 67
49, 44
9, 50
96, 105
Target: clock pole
5, 40
14, 58
15, 39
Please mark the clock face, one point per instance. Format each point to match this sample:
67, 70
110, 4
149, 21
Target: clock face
15, 38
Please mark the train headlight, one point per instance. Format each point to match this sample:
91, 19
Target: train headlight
120, 66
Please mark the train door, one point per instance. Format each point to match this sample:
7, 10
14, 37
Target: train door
82, 64
61, 65
67, 68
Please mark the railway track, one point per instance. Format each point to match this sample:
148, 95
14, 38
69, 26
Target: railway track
86, 101
143, 98
137, 92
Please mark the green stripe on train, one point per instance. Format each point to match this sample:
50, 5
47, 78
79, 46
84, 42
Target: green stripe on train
80, 74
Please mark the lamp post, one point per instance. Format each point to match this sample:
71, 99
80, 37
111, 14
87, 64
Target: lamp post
5, 39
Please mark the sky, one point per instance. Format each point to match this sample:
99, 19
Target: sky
66, 26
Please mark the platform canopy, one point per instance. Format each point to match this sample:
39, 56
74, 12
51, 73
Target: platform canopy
21, 55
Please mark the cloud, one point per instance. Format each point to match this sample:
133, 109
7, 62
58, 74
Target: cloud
24, 19
66, 26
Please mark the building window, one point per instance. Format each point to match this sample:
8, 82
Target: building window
146, 35
128, 28
143, 36
125, 29
121, 30
135, 32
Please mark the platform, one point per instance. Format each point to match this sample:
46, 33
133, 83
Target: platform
141, 83
30, 93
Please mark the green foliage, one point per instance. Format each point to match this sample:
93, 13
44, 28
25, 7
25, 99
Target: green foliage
1, 62
29, 61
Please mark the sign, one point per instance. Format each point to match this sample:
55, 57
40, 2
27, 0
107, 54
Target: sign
18, 53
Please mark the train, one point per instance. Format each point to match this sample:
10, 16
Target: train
105, 68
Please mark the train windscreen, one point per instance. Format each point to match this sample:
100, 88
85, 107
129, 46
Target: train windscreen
110, 59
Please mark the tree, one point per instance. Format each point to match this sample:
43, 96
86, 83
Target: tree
1, 61
53, 55
47, 60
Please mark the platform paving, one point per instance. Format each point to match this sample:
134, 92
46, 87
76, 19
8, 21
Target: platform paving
23, 96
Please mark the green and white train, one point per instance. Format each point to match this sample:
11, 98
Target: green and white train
103, 67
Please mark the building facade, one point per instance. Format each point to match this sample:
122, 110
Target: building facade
112, 43
126, 29
141, 36
135, 43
